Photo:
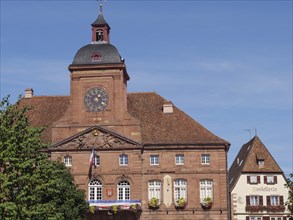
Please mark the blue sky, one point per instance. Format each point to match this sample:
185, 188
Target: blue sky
228, 64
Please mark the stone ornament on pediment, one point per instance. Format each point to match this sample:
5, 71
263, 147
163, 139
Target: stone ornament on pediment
96, 138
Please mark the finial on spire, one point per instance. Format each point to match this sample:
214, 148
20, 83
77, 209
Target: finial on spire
101, 7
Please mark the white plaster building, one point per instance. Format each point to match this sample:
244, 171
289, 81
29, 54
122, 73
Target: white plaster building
256, 185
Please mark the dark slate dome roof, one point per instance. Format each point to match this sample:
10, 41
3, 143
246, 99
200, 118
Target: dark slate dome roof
97, 53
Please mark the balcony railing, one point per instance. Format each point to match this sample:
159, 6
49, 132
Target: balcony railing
107, 204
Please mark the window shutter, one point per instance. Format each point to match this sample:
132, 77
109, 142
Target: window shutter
247, 200
266, 218
258, 179
281, 200
275, 180
248, 179
268, 200
247, 217
265, 179
260, 200
284, 218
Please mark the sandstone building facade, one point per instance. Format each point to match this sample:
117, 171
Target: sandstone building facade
136, 155
257, 188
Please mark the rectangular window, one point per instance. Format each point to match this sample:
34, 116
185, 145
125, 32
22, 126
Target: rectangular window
97, 160
68, 161
255, 218
275, 218
154, 159
261, 163
180, 190
275, 200
155, 190
205, 159
270, 179
179, 159
253, 179
206, 189
123, 160
254, 200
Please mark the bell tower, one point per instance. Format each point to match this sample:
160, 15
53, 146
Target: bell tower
100, 28
98, 86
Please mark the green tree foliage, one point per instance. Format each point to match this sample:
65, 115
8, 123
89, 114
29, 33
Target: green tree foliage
31, 186
289, 185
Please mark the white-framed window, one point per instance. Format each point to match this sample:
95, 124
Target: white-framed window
179, 159
206, 189
253, 179
97, 161
123, 160
180, 189
123, 189
68, 160
275, 218
274, 200
154, 159
155, 189
254, 200
95, 189
205, 159
261, 163
255, 218
270, 179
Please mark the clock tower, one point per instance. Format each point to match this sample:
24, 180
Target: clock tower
98, 88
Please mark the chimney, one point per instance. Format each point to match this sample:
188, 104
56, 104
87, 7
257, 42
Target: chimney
28, 93
167, 107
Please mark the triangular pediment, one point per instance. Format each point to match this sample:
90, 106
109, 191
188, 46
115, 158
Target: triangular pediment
96, 136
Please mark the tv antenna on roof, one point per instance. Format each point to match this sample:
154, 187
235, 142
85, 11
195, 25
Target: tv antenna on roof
248, 131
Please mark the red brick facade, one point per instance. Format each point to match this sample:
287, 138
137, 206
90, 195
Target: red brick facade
134, 127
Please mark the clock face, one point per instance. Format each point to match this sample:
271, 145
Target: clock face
96, 99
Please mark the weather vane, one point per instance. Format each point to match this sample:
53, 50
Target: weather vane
101, 5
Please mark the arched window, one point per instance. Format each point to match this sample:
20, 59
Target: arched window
68, 160
155, 189
206, 189
123, 189
180, 189
99, 35
95, 190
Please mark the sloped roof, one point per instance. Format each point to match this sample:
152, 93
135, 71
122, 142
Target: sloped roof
100, 21
157, 127
45, 111
246, 161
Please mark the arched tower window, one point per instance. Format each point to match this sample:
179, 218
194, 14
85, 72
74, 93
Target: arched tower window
123, 189
95, 189
99, 35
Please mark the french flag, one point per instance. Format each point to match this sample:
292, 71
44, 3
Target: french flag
92, 157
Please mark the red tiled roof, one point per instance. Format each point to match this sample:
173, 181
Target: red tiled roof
157, 127
246, 161
45, 111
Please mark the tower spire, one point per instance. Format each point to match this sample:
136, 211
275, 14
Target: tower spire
100, 28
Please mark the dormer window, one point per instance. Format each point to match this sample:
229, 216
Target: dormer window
261, 163
99, 35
